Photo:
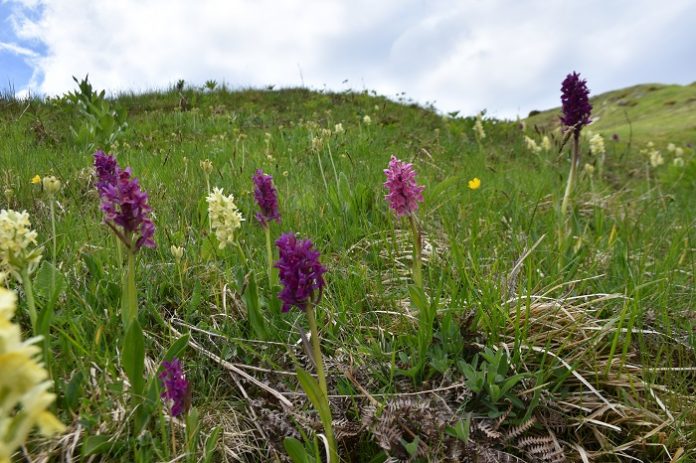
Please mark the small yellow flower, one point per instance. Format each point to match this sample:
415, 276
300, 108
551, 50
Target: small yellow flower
474, 183
36, 179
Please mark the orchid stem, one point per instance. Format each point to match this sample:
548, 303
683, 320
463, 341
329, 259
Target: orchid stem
571, 175
269, 252
31, 305
417, 271
129, 305
319, 362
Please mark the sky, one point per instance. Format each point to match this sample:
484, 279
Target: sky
505, 56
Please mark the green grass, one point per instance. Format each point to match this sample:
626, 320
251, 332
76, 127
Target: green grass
595, 311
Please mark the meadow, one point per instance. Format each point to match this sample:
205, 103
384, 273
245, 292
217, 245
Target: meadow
529, 334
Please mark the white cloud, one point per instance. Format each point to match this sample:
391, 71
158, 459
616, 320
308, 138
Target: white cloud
467, 55
17, 49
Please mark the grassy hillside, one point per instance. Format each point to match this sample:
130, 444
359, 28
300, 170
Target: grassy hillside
648, 112
536, 337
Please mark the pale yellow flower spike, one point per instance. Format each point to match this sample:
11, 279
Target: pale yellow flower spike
225, 218
18, 250
24, 383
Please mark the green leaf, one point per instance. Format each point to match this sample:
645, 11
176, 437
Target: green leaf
313, 391
418, 298
177, 347
461, 429
94, 445
192, 430
210, 444
411, 447
512, 381
72, 391
133, 356
295, 449
43, 281
251, 300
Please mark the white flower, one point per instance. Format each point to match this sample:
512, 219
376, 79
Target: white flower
671, 147
678, 162
532, 145
317, 143
225, 218
207, 166
656, 158
367, 120
546, 143
51, 185
679, 152
597, 144
338, 128
589, 169
177, 252
478, 127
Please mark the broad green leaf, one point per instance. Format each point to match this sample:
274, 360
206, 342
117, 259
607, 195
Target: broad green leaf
316, 396
295, 449
211, 443
177, 347
251, 300
49, 283
95, 444
133, 356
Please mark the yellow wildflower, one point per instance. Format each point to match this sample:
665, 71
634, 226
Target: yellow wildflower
36, 179
475, 183
24, 383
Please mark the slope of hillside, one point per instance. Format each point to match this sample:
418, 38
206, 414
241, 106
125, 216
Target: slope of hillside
648, 112
523, 334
